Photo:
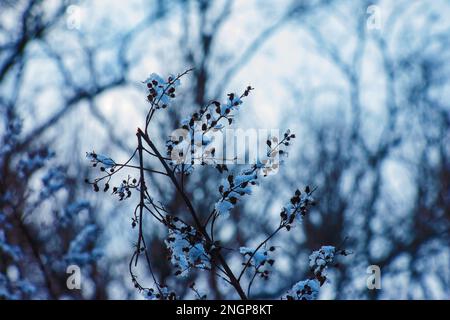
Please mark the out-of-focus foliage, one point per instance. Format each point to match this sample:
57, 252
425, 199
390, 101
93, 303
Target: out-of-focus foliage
363, 84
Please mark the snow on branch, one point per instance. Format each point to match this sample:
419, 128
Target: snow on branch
319, 261
192, 143
186, 247
190, 242
235, 187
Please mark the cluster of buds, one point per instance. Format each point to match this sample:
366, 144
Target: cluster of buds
124, 189
160, 91
304, 290
192, 143
319, 261
163, 293
234, 188
297, 207
276, 151
199, 296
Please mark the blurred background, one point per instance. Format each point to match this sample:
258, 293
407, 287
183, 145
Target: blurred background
365, 85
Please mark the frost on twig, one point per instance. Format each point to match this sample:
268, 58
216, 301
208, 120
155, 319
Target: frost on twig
162, 293
297, 207
259, 259
161, 91
99, 159
190, 241
304, 290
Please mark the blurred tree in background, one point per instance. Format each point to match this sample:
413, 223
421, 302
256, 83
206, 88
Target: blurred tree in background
364, 84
